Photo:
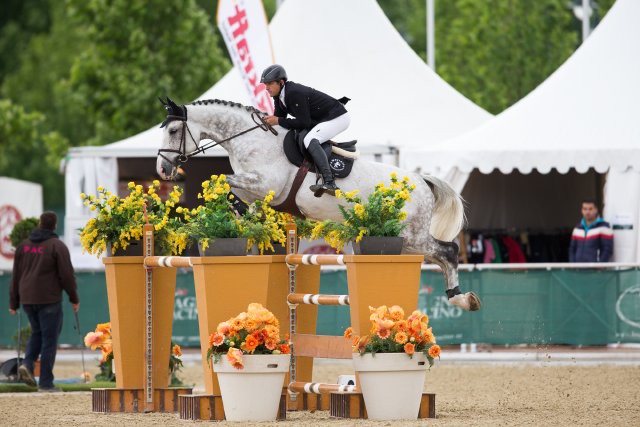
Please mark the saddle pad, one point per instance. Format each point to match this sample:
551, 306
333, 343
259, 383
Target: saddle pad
340, 165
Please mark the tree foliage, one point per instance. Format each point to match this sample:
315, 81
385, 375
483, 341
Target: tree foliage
493, 51
28, 150
136, 52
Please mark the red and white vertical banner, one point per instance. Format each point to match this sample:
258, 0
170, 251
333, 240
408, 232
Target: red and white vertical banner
244, 26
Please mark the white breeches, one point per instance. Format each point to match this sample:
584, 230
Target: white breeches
326, 130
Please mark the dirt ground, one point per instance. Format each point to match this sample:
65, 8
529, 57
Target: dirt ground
465, 395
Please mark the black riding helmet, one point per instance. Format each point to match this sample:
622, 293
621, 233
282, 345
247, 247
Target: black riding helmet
273, 73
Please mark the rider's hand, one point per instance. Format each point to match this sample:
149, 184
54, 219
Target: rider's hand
76, 307
271, 120
12, 311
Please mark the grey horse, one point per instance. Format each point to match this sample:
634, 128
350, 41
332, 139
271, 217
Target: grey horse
435, 213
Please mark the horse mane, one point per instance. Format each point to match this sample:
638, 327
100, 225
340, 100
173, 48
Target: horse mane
227, 103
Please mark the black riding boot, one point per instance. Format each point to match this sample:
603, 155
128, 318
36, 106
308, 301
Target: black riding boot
322, 165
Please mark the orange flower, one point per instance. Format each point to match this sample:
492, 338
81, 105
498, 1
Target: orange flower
251, 343
434, 351
105, 328
251, 324
427, 336
270, 343
234, 356
94, 340
385, 324
384, 333
272, 331
285, 349
401, 338
355, 340
402, 325
223, 328
409, 348
363, 342
177, 351
216, 340
348, 333
396, 312
237, 323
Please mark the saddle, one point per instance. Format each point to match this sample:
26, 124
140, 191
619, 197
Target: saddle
297, 154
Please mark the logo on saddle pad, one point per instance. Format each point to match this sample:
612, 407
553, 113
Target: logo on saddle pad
337, 164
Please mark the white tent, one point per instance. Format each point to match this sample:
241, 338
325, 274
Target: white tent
583, 116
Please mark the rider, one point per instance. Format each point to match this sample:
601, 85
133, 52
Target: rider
324, 117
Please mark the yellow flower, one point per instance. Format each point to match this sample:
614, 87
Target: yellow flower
101, 188
339, 194
351, 194
131, 184
83, 196
156, 182
205, 184
359, 210
394, 175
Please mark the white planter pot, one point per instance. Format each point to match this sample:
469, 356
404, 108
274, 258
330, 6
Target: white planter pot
391, 384
252, 393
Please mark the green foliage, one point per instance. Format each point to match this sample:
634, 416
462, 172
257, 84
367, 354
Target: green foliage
136, 52
304, 227
382, 215
106, 368
25, 333
22, 230
494, 51
30, 151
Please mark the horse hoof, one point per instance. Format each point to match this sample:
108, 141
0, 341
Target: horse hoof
474, 301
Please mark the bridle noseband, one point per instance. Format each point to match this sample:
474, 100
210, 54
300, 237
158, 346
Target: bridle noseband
183, 156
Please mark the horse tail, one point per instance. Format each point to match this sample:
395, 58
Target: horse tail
448, 213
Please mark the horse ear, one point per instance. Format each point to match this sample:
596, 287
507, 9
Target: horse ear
171, 103
161, 101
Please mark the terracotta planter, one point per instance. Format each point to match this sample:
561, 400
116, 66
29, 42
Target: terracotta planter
126, 295
391, 384
378, 245
252, 393
234, 246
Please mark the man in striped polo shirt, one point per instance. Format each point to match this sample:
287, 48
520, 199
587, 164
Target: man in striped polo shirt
592, 238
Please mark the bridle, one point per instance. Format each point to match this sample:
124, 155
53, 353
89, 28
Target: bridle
183, 156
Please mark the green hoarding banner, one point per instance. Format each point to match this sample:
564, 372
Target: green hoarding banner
577, 307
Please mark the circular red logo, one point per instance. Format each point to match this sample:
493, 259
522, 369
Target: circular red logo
9, 216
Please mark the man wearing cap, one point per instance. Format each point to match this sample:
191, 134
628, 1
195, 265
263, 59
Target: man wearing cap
324, 117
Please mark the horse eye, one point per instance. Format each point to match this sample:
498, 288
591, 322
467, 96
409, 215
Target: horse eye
172, 131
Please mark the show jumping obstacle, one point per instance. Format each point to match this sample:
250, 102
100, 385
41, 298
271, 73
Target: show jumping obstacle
225, 286
372, 281
141, 337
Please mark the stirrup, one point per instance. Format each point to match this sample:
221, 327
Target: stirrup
320, 189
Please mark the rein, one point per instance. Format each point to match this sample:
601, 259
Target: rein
183, 156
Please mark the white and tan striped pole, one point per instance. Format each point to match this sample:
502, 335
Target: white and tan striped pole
168, 261
320, 388
297, 259
318, 299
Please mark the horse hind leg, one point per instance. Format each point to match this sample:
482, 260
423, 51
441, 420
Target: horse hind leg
445, 254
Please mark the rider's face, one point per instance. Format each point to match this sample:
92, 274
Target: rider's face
273, 88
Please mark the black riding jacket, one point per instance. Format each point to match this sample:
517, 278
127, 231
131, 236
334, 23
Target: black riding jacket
308, 107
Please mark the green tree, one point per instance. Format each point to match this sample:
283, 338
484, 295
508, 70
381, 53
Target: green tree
493, 51
19, 21
49, 56
134, 53
29, 151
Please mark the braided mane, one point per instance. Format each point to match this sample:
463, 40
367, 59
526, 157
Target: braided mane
227, 103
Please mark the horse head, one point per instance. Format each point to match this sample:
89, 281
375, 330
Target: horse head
180, 137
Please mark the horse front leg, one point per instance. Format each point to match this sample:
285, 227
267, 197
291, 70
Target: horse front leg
247, 181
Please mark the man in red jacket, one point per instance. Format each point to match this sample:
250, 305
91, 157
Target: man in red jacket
41, 271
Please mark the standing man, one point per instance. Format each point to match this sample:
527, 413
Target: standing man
320, 114
592, 238
41, 271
